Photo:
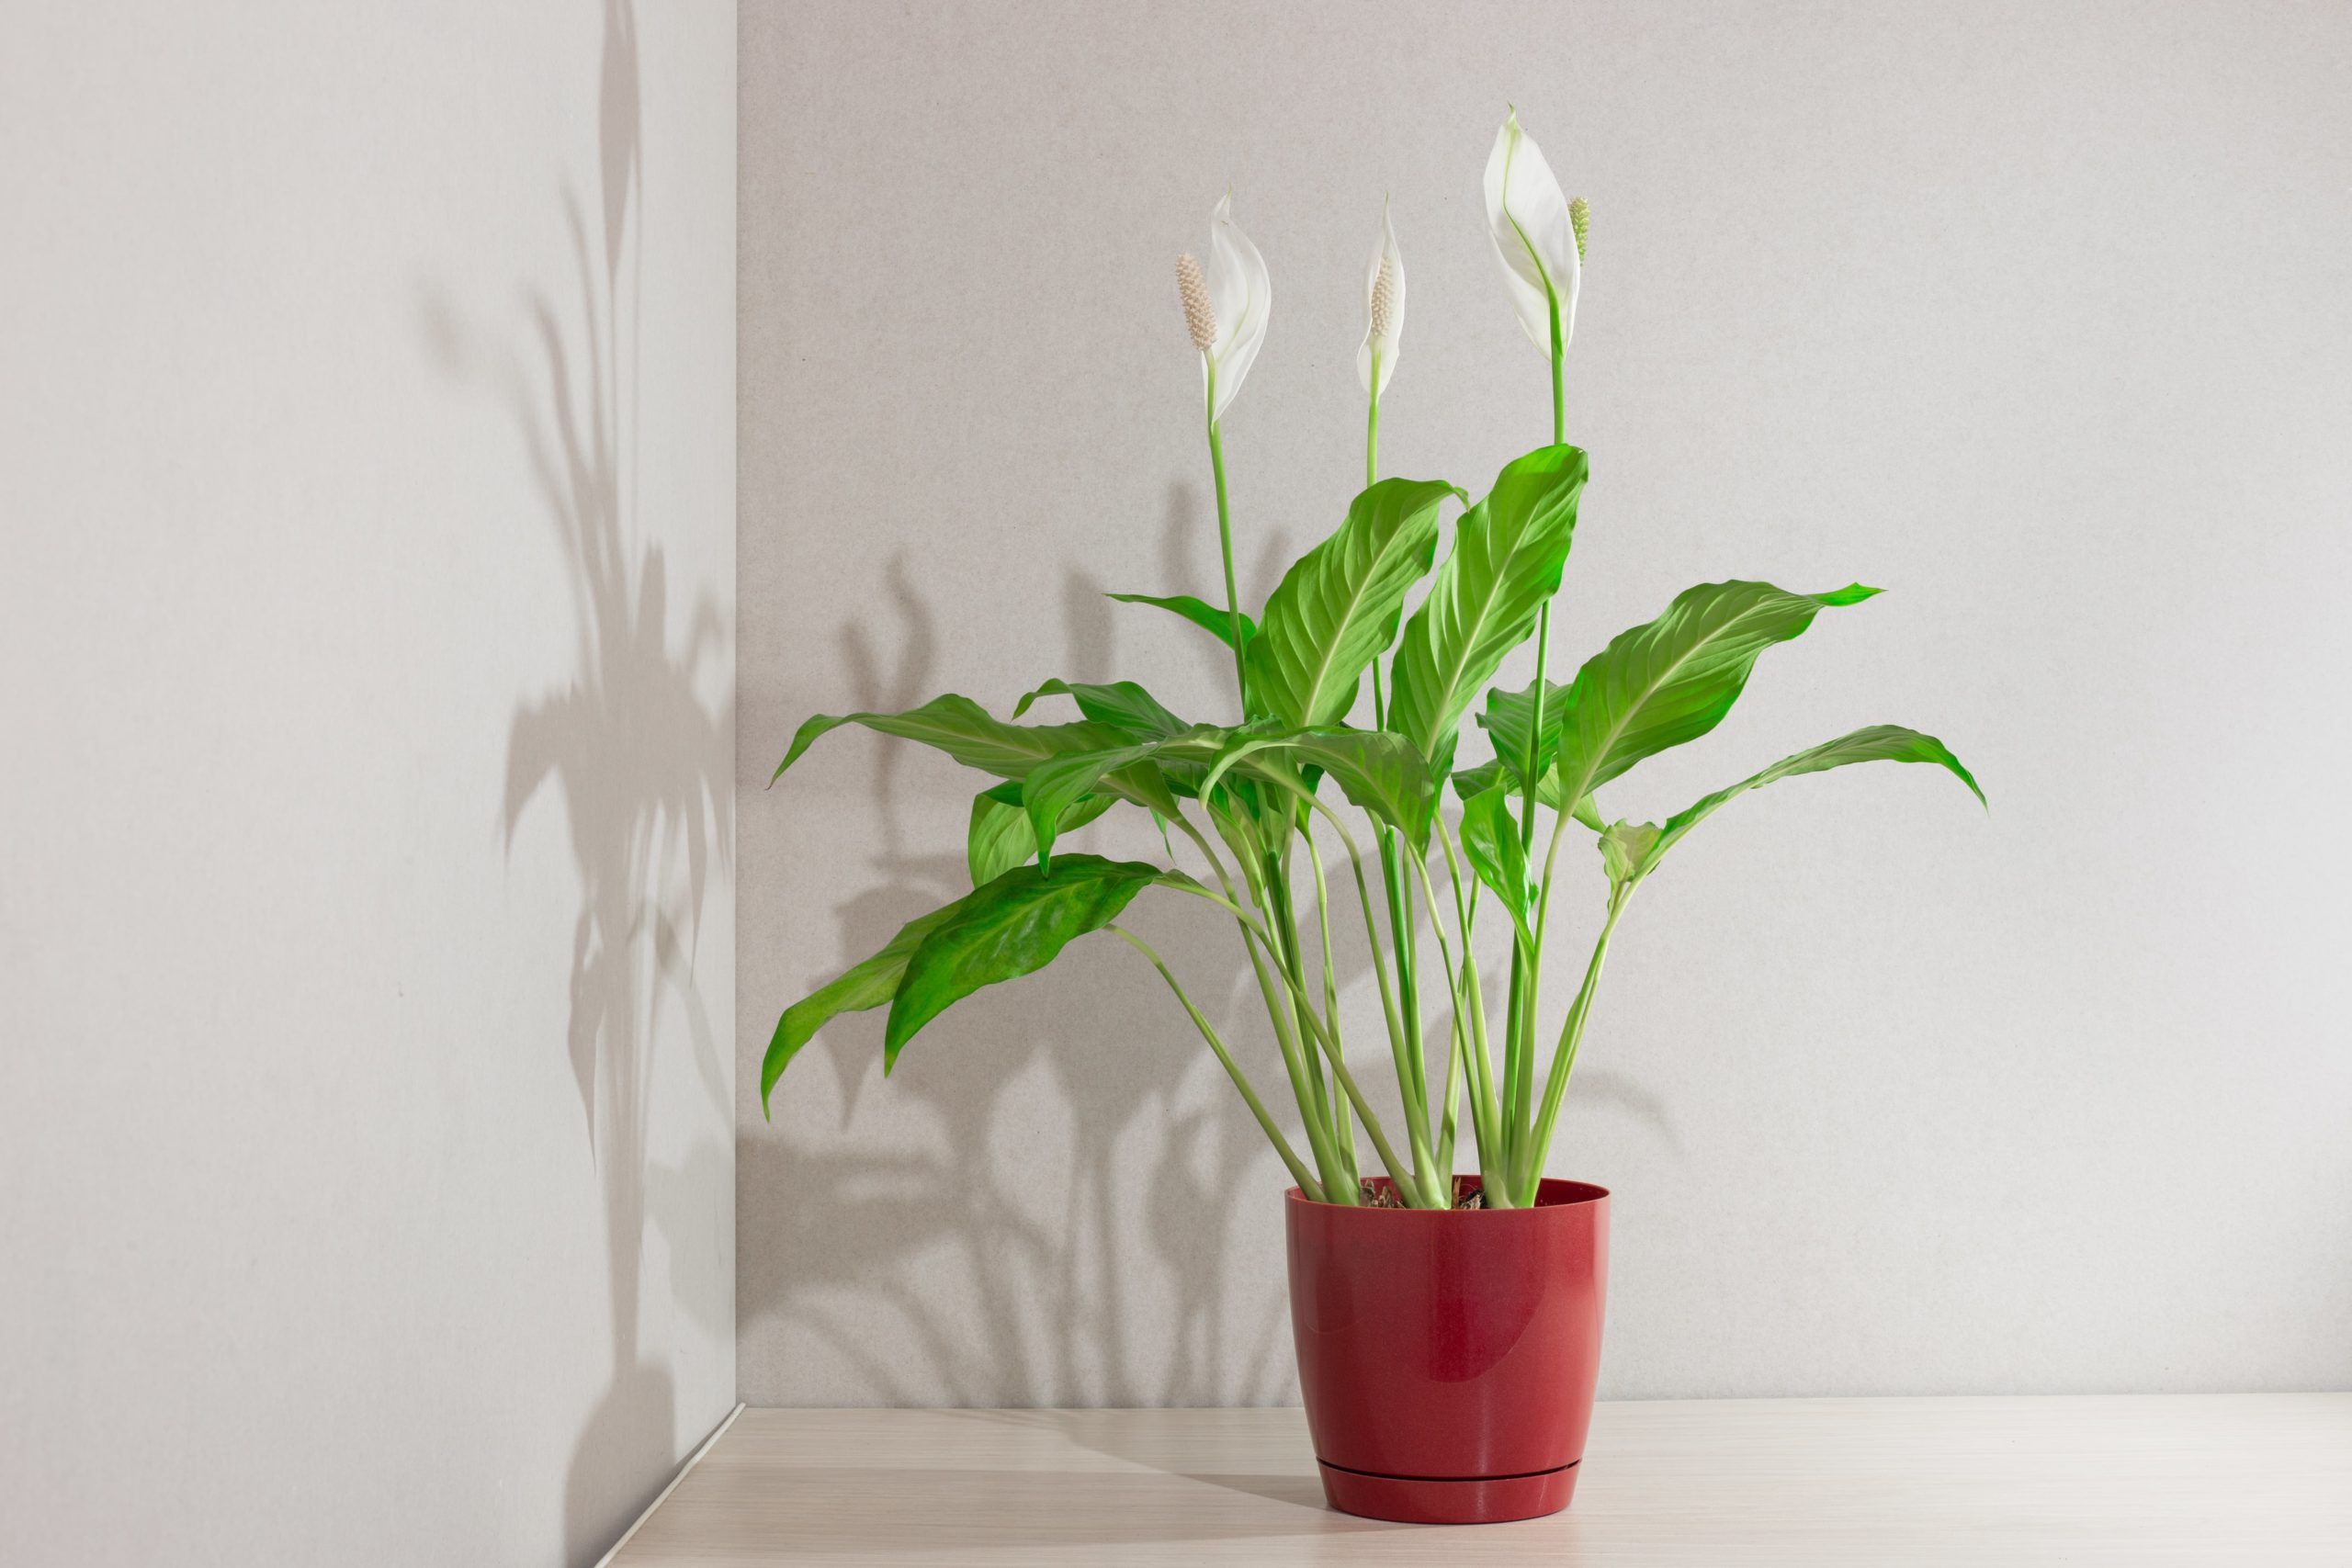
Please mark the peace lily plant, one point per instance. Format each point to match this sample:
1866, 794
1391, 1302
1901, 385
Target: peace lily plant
1258, 801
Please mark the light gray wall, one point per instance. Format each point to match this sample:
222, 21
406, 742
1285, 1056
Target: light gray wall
367, 922
2037, 315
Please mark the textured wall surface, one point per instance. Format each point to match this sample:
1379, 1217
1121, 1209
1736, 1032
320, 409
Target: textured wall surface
2036, 315
367, 919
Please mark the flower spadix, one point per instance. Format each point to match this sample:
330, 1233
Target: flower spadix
1224, 306
1384, 301
1535, 240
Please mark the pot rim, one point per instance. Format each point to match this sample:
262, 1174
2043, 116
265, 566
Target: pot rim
1583, 1193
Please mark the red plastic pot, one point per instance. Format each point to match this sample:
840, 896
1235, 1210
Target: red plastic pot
1448, 1356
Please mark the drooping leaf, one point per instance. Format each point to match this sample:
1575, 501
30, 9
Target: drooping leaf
1625, 849
862, 986
1013, 926
1200, 612
966, 731
1672, 680
1506, 561
1140, 773
1377, 771
1000, 836
1122, 705
1879, 743
1490, 837
1477, 780
1491, 772
1147, 784
1338, 606
1052, 788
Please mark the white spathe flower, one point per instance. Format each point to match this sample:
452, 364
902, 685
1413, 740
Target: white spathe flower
1534, 239
1226, 306
1384, 300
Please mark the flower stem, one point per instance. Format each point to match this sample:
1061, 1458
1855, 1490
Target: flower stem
1526, 969
1559, 363
1224, 543
1371, 478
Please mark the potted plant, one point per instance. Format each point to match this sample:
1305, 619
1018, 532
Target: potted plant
1448, 1326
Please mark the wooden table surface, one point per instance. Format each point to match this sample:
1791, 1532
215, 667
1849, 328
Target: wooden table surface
2226, 1479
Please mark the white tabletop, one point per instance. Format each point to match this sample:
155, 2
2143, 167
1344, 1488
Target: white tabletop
2218, 1479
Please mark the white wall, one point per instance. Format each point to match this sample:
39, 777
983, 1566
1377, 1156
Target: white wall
2036, 315
366, 669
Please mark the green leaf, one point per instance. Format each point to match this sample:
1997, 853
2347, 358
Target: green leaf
1377, 771
1201, 613
1672, 680
1625, 849
1133, 772
1879, 743
1491, 772
1147, 784
1053, 788
966, 731
863, 985
1000, 836
1506, 561
1509, 716
1122, 705
1338, 608
1014, 926
1491, 840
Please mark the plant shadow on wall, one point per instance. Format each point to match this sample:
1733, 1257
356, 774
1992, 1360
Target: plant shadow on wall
1067, 1179
637, 746
972, 1261
1372, 604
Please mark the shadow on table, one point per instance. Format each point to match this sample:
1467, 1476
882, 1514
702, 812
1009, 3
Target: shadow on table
1054, 1508
1301, 1489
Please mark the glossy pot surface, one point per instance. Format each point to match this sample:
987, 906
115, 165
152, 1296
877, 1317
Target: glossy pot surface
1448, 1357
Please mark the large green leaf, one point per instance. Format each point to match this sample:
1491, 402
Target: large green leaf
1122, 705
1379, 772
1337, 608
1002, 837
966, 731
862, 986
1013, 926
1200, 612
1506, 561
1491, 840
1879, 743
1672, 680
